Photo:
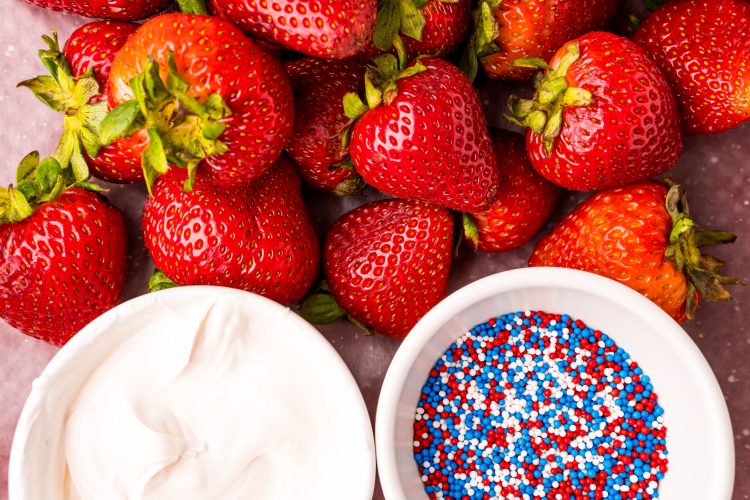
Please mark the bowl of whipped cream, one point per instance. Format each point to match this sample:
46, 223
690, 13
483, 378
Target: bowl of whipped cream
194, 393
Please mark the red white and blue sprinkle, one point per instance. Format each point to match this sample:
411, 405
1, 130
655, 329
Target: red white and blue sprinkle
535, 405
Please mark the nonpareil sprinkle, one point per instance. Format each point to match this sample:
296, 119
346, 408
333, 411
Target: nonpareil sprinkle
536, 405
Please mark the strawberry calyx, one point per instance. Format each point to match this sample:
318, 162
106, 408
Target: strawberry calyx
482, 38
685, 241
72, 96
398, 16
37, 182
471, 231
160, 281
380, 82
353, 184
544, 111
193, 7
182, 131
320, 308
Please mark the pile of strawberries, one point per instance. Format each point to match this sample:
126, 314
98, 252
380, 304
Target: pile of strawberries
224, 116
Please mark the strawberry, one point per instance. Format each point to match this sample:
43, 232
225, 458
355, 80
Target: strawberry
76, 88
226, 107
642, 236
120, 10
257, 238
431, 27
63, 252
386, 264
703, 46
318, 141
506, 30
423, 135
524, 202
327, 29
602, 116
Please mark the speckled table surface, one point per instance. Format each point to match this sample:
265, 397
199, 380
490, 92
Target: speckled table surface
715, 170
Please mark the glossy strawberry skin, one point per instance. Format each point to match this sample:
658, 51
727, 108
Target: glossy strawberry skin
524, 202
257, 238
703, 46
446, 24
63, 266
252, 82
315, 144
631, 131
430, 143
93, 47
326, 29
387, 263
622, 234
537, 28
119, 10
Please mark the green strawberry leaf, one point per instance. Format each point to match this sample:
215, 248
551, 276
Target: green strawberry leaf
160, 281
65, 147
122, 121
387, 24
212, 130
189, 183
175, 82
412, 20
19, 206
47, 174
27, 166
321, 308
353, 106
78, 164
193, 7
153, 159
47, 90
90, 186
471, 231
85, 88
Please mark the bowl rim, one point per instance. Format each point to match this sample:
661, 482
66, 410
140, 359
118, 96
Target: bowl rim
535, 277
94, 331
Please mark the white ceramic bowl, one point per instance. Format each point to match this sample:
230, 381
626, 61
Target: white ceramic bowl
699, 434
35, 460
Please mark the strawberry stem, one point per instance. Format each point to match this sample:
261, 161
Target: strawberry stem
686, 239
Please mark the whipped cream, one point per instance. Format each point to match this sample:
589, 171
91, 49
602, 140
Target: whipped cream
210, 402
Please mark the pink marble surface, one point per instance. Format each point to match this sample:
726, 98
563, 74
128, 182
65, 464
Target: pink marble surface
715, 169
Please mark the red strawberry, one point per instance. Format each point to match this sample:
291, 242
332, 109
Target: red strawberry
120, 10
603, 116
523, 204
63, 251
386, 264
424, 136
257, 238
318, 142
93, 46
76, 88
703, 46
506, 30
327, 29
226, 107
640, 235
436, 28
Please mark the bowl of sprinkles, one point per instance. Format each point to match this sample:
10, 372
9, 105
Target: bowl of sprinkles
553, 384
